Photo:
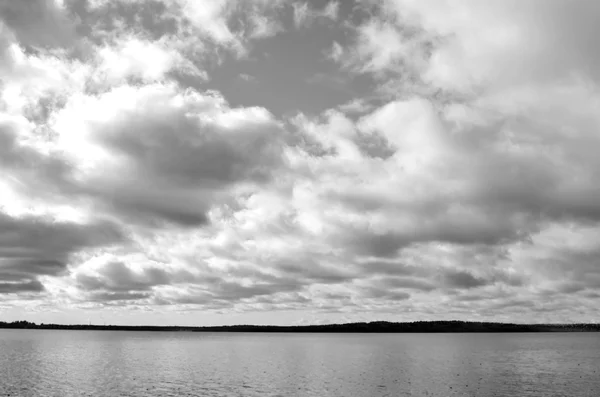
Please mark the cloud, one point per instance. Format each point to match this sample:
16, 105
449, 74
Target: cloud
462, 279
465, 47
102, 21
20, 287
32, 246
109, 281
263, 26
33, 176
336, 52
232, 24
156, 154
143, 60
480, 41
356, 106
305, 14
426, 167
248, 78
117, 296
459, 179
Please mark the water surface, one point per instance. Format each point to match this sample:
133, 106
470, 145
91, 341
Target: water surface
106, 363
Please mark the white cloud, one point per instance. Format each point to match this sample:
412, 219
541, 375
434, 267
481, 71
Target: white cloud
336, 52
215, 19
305, 14
358, 106
300, 14
503, 43
211, 18
264, 26
133, 58
31, 78
248, 78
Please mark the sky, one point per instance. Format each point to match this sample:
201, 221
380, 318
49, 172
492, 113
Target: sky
183, 162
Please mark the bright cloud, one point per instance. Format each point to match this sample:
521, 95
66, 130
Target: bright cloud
148, 171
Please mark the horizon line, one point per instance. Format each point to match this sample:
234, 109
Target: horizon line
370, 326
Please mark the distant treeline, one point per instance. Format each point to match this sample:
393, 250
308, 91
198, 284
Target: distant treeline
371, 327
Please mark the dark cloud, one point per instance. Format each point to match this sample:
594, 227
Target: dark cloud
463, 279
389, 268
35, 246
226, 292
512, 304
210, 286
285, 298
309, 272
149, 207
512, 279
20, 287
571, 288
388, 245
177, 148
429, 277
374, 145
37, 174
367, 243
118, 277
234, 291
536, 185
14, 266
5, 56
103, 296
406, 283
384, 294
582, 265
193, 297
432, 219
179, 161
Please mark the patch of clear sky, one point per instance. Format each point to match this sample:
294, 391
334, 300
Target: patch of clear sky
291, 72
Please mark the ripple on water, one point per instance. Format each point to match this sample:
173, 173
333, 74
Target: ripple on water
79, 363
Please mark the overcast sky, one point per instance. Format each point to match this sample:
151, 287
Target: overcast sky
270, 161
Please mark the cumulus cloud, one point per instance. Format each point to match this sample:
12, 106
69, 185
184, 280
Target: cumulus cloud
154, 153
462, 181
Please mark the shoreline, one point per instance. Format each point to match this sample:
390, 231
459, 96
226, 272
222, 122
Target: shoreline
371, 327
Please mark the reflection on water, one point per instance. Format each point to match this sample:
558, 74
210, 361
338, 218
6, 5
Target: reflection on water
89, 363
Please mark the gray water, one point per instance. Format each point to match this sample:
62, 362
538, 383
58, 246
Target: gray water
89, 363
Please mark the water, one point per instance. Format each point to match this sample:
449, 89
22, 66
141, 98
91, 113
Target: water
89, 363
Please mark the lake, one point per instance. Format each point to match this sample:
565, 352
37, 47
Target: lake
106, 363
